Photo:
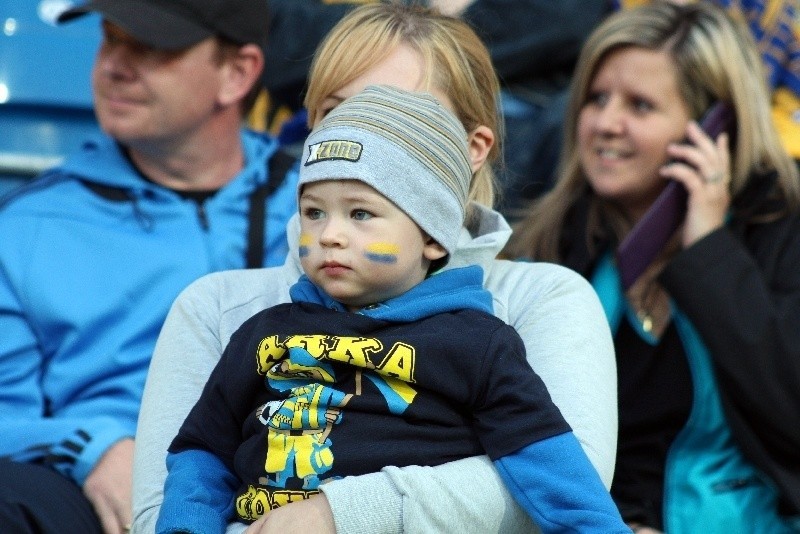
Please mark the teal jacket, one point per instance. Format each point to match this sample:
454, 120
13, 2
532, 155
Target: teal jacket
709, 485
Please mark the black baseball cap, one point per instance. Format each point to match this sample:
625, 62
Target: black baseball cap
179, 24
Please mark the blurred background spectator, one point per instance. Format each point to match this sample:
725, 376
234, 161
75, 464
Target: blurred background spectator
46, 105
45, 97
534, 45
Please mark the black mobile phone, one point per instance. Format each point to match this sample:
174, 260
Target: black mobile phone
648, 237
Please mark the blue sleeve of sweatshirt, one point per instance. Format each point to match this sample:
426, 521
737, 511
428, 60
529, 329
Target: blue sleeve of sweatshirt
198, 494
555, 483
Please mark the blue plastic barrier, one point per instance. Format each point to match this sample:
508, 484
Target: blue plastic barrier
45, 88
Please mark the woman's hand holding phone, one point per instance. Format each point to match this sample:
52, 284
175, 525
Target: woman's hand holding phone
703, 167
702, 163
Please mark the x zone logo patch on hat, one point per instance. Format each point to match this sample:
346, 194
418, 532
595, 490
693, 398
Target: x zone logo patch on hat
336, 149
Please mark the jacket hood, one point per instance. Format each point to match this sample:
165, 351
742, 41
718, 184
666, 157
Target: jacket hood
450, 290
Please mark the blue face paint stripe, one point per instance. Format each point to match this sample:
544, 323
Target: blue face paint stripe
381, 258
382, 252
304, 242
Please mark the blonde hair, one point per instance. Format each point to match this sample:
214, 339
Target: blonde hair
715, 58
455, 61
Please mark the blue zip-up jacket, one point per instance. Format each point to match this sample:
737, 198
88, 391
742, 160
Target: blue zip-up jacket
470, 378
91, 257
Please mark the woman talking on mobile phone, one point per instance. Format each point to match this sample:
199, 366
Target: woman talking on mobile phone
707, 338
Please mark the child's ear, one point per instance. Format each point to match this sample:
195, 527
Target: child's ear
433, 251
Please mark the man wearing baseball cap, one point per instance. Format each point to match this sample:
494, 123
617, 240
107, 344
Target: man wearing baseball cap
94, 251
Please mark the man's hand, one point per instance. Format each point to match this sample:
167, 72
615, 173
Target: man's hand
108, 487
301, 517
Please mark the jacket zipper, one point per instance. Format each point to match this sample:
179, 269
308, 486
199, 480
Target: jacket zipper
201, 215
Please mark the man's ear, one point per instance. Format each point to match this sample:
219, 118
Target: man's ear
241, 70
432, 250
481, 141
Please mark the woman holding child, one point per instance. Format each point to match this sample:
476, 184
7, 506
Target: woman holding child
554, 311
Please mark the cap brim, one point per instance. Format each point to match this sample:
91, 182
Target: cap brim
148, 23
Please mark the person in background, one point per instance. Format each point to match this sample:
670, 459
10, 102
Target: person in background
358, 372
94, 251
533, 45
554, 310
706, 338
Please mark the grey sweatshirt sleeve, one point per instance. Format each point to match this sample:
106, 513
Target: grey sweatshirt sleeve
184, 356
196, 331
570, 346
462, 496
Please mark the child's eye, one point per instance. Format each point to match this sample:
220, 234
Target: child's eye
361, 215
313, 213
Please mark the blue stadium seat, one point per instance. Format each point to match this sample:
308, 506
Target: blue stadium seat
45, 89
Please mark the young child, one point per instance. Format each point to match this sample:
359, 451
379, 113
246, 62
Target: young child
381, 358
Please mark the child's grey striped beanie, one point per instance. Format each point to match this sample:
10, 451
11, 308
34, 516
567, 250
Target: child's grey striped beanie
407, 146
